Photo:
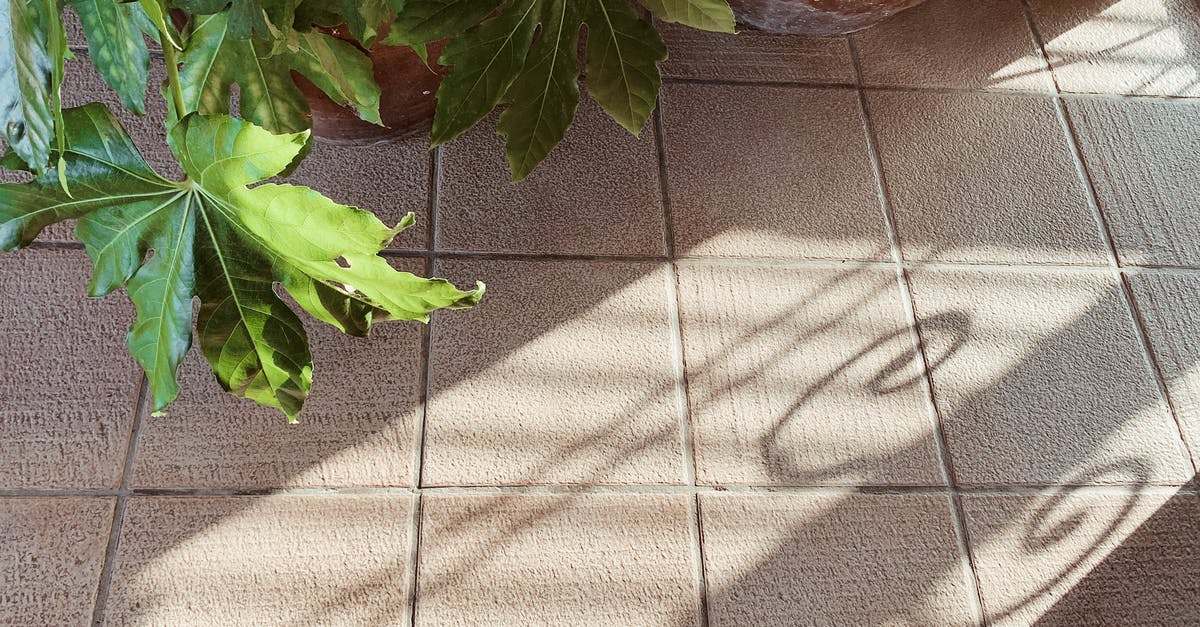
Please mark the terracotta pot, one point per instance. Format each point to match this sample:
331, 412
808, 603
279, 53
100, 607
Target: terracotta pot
406, 101
816, 17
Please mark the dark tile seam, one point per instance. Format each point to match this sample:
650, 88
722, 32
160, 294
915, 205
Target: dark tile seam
123, 494
1106, 235
944, 455
679, 364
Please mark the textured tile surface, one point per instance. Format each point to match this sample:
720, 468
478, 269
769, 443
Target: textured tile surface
1167, 304
804, 377
753, 55
557, 560
1141, 155
1040, 378
562, 375
68, 390
770, 172
1087, 559
389, 180
262, 560
53, 551
597, 193
1149, 47
967, 44
974, 177
355, 430
832, 559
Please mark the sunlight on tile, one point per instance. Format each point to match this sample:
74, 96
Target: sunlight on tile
262, 560
1147, 47
1071, 559
565, 376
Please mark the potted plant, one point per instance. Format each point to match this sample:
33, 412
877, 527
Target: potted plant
227, 239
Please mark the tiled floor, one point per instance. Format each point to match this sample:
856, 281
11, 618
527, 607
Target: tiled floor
897, 328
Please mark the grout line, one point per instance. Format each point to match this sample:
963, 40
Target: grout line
414, 554
944, 455
649, 488
434, 199
679, 365
1183, 100
123, 494
1087, 181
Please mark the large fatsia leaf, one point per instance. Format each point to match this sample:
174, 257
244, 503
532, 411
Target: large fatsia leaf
364, 17
623, 52
503, 60
486, 60
713, 15
545, 95
117, 48
247, 18
27, 89
422, 21
214, 60
212, 237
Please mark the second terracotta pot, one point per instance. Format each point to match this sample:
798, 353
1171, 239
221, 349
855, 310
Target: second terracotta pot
406, 102
816, 17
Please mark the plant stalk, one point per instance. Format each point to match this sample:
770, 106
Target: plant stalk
176, 88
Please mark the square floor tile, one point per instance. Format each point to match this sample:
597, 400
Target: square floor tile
753, 55
597, 193
53, 552
563, 374
983, 178
1040, 379
389, 180
68, 388
1141, 157
1147, 47
770, 172
583, 559
280, 560
965, 44
1087, 558
355, 430
804, 376
1167, 303
832, 559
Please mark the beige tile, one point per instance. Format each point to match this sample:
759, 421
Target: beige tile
389, 180
832, 559
1149, 47
1087, 559
1167, 304
983, 178
1040, 378
279, 560
53, 552
597, 193
68, 389
770, 172
1141, 156
563, 374
557, 560
355, 430
753, 55
966, 44
802, 377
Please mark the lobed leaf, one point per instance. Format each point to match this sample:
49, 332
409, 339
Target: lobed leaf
423, 21
117, 48
711, 15
623, 52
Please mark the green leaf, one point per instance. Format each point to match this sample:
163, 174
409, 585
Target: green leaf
364, 18
484, 62
116, 47
214, 60
623, 52
712, 15
214, 238
546, 93
340, 70
423, 21
27, 90
262, 19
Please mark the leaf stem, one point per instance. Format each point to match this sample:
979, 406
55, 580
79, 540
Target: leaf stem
168, 48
